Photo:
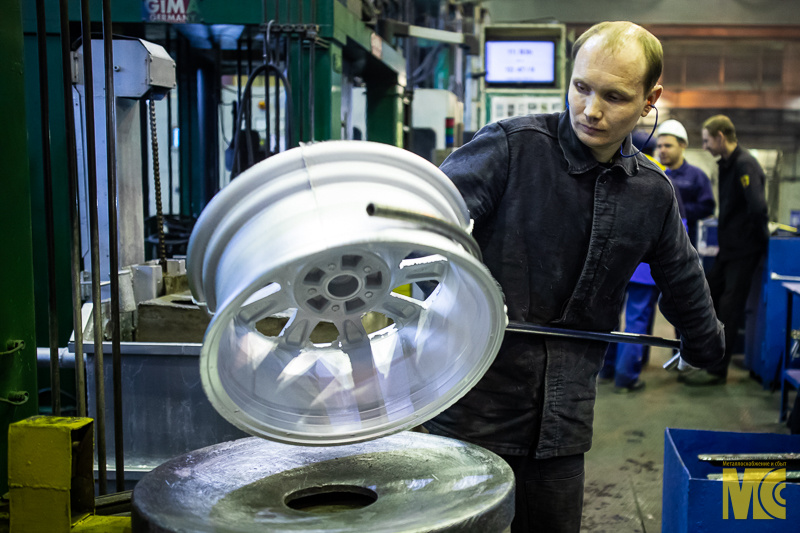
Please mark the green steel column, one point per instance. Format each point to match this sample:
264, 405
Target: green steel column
385, 113
59, 167
18, 368
190, 170
328, 93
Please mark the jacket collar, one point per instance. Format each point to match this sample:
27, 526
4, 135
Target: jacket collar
579, 157
725, 162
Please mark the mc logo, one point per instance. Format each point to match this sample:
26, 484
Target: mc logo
762, 486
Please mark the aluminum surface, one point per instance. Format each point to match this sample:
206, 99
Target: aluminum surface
291, 238
419, 483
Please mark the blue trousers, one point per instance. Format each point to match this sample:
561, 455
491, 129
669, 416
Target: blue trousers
624, 361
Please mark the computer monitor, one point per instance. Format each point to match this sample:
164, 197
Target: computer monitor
520, 63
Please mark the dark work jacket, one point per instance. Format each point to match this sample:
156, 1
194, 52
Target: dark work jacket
562, 234
742, 206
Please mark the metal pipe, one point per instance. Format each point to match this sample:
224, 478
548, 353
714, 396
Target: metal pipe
286, 48
311, 70
278, 95
289, 111
717, 459
277, 84
614, 336
779, 277
247, 109
47, 171
144, 157
94, 235
65, 358
267, 84
238, 69
169, 126
238, 102
186, 184
113, 238
266, 58
74, 215
431, 223
301, 112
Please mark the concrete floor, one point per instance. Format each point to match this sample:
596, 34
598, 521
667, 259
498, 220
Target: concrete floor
624, 466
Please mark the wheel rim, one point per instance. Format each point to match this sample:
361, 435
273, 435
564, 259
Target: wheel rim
308, 343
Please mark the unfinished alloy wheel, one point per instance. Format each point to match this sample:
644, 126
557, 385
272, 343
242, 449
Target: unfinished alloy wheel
312, 340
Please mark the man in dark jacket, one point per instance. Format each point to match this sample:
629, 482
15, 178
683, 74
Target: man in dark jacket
742, 233
564, 211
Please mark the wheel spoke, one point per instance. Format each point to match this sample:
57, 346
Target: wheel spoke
401, 309
263, 303
428, 268
351, 333
366, 379
395, 255
297, 331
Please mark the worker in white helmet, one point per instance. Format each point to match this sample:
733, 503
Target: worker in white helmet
691, 182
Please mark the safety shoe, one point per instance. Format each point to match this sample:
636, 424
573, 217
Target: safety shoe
702, 378
636, 386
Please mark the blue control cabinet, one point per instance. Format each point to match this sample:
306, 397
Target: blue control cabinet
765, 349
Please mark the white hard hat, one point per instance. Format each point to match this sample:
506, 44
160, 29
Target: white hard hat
673, 127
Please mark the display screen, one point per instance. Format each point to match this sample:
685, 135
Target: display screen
520, 62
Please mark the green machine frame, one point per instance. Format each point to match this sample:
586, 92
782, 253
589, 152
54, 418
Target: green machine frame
343, 36
24, 316
17, 333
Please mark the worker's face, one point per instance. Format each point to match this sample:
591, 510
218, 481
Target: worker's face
714, 144
670, 151
606, 95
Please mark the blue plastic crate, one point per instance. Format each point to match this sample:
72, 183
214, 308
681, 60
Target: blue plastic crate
692, 503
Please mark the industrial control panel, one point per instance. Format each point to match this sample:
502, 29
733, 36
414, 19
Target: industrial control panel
524, 69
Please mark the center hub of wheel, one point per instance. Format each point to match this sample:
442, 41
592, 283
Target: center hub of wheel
342, 283
343, 286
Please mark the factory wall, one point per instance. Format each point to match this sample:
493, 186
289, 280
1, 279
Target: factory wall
708, 39
718, 12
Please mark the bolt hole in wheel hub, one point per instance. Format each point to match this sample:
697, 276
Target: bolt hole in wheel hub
310, 343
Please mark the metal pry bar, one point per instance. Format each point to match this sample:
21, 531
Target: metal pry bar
614, 336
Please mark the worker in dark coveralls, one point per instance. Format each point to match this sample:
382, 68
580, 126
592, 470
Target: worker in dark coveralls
563, 219
743, 237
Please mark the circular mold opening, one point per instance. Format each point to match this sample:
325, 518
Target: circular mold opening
343, 286
331, 499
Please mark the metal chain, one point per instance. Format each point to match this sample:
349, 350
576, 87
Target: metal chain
162, 251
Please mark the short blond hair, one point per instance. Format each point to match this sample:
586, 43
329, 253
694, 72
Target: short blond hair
617, 33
